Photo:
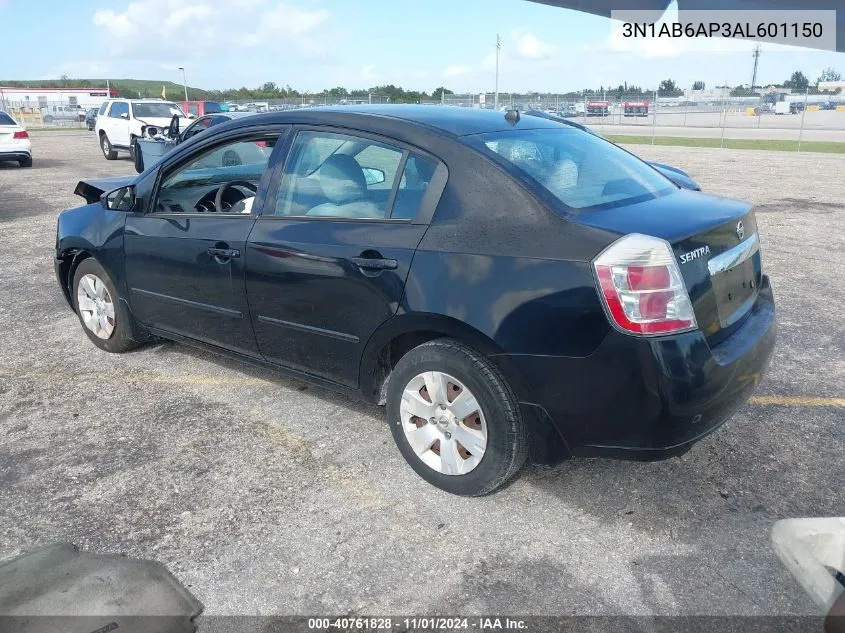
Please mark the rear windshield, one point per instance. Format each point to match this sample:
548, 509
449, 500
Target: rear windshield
5, 119
580, 169
156, 110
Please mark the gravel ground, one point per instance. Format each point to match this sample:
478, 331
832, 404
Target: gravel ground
267, 496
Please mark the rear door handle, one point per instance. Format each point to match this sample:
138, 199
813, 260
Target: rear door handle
224, 253
375, 263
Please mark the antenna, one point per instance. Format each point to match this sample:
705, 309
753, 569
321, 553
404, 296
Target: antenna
757, 52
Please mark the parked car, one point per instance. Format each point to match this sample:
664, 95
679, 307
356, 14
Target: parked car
200, 108
121, 122
505, 285
14, 141
149, 150
62, 113
91, 119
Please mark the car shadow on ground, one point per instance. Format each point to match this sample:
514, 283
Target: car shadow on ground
733, 472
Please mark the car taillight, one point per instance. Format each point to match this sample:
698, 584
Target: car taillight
642, 287
21, 134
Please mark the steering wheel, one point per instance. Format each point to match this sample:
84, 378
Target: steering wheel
218, 197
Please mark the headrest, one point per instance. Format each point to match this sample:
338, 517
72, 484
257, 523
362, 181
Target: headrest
342, 179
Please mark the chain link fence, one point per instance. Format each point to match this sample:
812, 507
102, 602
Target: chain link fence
775, 115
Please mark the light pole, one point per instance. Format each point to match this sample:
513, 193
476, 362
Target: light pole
184, 82
496, 96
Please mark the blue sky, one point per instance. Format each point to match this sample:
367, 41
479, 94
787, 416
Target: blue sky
313, 44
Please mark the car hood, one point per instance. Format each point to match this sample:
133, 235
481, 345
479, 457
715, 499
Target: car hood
92, 188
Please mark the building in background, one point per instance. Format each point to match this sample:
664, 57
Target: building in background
15, 97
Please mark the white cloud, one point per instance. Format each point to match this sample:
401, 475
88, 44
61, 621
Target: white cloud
529, 46
164, 29
457, 70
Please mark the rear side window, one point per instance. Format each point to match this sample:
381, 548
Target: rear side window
580, 169
103, 107
5, 119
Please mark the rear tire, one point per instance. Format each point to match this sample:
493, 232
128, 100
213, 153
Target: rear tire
103, 316
25, 162
495, 427
106, 146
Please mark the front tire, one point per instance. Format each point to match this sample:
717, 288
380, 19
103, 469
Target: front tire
104, 318
106, 146
455, 419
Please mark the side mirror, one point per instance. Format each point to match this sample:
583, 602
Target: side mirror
373, 176
122, 199
124, 115
173, 132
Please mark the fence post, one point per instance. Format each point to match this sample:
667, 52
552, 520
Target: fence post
654, 119
803, 114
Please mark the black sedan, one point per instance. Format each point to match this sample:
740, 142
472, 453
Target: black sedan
91, 118
506, 285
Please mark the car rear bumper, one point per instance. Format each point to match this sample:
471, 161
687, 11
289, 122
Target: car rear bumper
649, 399
17, 154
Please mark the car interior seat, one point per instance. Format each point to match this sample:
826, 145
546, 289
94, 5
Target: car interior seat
345, 187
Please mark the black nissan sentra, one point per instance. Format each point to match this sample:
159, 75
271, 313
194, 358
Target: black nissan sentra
507, 285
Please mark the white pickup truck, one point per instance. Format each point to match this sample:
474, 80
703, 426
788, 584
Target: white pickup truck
62, 113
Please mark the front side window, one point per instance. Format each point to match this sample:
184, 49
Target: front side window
233, 170
196, 127
345, 176
580, 169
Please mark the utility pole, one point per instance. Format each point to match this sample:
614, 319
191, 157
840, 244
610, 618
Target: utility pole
757, 51
184, 82
496, 96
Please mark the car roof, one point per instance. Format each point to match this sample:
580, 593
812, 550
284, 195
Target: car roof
452, 120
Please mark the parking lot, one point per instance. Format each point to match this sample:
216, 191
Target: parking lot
265, 495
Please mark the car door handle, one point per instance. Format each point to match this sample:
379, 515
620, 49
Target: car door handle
224, 253
375, 263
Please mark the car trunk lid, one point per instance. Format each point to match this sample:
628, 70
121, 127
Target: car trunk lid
7, 132
715, 244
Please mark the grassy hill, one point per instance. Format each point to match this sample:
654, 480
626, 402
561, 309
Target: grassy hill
126, 87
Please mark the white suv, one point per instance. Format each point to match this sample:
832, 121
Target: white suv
121, 122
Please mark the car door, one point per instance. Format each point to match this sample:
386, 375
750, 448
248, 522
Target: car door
118, 124
328, 258
185, 256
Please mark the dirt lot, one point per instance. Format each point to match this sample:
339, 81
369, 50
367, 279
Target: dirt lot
268, 496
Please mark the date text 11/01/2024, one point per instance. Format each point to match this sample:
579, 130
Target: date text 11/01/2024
724, 29
418, 624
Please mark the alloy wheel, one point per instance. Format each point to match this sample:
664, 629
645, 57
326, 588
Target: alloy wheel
95, 306
443, 422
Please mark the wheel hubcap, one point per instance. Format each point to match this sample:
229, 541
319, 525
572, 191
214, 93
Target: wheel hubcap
95, 306
443, 423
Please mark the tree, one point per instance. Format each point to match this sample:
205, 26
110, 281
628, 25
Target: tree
744, 91
798, 82
437, 95
698, 85
828, 74
668, 88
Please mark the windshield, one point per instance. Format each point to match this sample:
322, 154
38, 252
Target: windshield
580, 169
156, 110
